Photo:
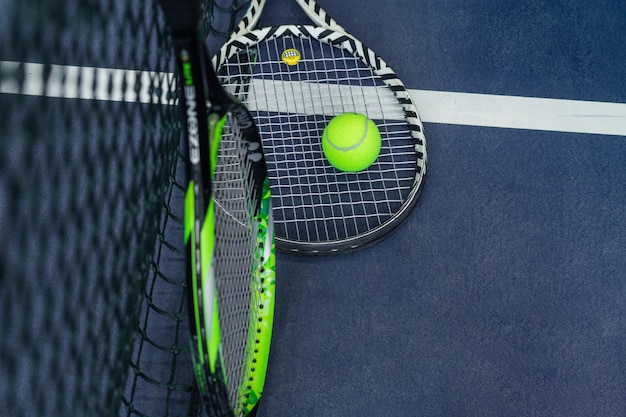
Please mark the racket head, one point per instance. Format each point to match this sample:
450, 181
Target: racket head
317, 209
232, 300
228, 230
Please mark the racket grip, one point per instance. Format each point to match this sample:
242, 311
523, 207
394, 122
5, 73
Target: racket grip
182, 17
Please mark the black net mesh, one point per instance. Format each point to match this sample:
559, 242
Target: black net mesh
92, 293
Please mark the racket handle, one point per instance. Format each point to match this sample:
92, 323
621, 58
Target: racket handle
182, 17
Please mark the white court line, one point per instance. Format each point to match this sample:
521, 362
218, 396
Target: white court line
514, 112
89, 83
469, 109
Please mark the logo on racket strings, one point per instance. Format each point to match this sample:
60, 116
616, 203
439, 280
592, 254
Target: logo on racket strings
291, 56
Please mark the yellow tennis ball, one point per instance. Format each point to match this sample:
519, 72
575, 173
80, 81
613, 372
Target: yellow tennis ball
351, 142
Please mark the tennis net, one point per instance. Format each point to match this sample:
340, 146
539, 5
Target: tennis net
92, 290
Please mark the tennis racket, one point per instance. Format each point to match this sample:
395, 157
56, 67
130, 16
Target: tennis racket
294, 79
228, 229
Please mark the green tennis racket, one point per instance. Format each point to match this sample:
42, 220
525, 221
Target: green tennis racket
229, 233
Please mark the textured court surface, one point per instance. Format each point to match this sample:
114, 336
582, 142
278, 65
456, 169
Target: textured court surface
504, 294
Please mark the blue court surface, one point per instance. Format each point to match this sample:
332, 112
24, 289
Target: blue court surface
504, 294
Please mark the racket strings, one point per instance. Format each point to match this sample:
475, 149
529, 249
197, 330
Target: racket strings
314, 202
354, 96
235, 255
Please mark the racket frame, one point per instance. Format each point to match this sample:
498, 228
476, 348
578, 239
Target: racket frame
197, 82
330, 32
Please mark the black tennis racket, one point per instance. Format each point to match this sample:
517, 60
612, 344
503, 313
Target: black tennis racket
294, 79
229, 233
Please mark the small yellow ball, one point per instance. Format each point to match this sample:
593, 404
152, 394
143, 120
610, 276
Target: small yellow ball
351, 142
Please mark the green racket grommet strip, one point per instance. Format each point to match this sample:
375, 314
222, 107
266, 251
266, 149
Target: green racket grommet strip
229, 232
